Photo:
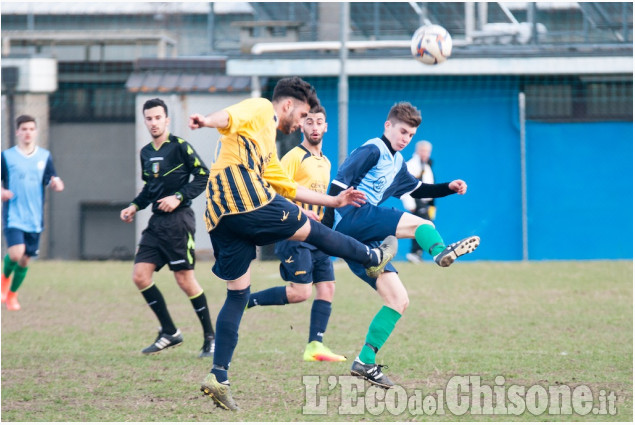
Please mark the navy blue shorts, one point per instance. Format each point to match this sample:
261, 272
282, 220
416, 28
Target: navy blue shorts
31, 241
369, 224
236, 236
169, 239
301, 262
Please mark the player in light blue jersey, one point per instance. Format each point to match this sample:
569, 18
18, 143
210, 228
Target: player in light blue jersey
378, 170
26, 171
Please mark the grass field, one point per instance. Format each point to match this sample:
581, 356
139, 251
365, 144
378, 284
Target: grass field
72, 352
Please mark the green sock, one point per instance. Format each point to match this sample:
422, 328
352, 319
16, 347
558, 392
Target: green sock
429, 239
9, 265
378, 332
18, 277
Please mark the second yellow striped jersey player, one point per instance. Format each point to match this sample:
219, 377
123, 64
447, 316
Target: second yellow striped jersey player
310, 171
247, 172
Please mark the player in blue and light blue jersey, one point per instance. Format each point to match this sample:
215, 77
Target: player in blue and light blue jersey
378, 170
26, 171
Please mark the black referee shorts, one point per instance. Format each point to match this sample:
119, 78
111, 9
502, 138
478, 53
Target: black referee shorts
169, 239
235, 237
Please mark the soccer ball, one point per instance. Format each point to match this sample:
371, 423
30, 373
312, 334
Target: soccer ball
431, 44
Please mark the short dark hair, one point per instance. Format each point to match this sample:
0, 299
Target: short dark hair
406, 113
296, 88
153, 103
22, 119
317, 110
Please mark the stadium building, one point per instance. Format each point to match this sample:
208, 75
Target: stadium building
534, 109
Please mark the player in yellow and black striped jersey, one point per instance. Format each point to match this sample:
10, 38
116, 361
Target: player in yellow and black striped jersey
247, 173
302, 264
246, 208
308, 166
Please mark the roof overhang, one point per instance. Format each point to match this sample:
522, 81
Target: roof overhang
581, 65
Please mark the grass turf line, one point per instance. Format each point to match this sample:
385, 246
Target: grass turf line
73, 352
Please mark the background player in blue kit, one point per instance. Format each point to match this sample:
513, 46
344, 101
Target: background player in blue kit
26, 170
302, 264
378, 170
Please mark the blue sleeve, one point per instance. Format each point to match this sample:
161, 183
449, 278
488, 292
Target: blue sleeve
5, 173
357, 164
404, 183
49, 171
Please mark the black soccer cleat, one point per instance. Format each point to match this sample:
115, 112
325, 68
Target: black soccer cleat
207, 350
164, 341
453, 251
372, 373
385, 252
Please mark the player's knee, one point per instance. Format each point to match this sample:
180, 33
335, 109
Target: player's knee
427, 222
18, 256
325, 291
299, 293
141, 280
187, 282
302, 233
401, 304
405, 304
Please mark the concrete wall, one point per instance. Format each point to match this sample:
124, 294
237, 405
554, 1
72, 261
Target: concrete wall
99, 164
96, 162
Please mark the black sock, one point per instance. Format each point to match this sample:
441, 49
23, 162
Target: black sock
156, 302
340, 245
199, 303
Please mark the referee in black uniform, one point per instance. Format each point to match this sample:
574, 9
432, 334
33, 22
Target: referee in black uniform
167, 163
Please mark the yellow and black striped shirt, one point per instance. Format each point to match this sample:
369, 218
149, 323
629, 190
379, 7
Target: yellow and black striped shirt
247, 173
310, 171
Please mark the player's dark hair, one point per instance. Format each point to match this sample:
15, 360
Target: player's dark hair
296, 88
318, 109
22, 119
153, 103
406, 113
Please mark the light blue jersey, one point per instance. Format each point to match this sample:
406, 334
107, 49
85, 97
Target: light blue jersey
26, 176
375, 170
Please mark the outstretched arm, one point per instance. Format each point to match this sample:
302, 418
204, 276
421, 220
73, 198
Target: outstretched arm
459, 186
349, 196
218, 119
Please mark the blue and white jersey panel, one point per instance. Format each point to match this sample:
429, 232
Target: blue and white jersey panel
26, 176
374, 170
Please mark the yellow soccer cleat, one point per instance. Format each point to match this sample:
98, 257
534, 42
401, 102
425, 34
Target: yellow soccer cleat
218, 392
386, 252
317, 352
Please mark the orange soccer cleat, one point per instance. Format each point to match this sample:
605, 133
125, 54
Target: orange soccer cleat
6, 285
12, 301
